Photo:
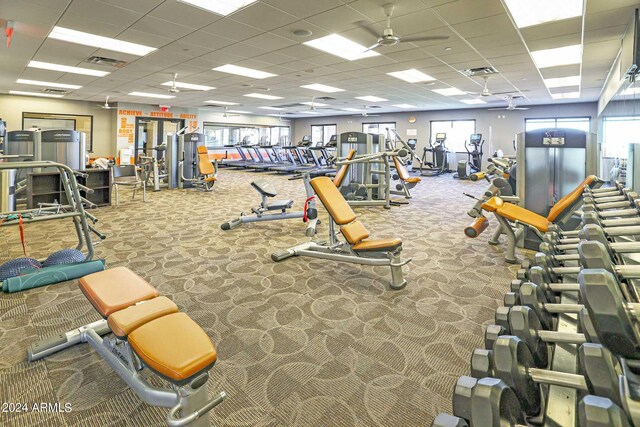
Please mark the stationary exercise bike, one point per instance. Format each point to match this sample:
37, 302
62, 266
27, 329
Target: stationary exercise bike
474, 157
439, 163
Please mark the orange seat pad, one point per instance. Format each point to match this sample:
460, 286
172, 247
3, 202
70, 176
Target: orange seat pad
567, 201
114, 289
380, 245
123, 322
174, 346
516, 213
412, 180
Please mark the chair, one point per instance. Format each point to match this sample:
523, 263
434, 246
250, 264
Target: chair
127, 175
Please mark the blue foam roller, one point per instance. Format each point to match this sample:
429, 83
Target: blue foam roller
64, 256
18, 266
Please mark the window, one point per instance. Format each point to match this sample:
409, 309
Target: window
618, 132
377, 128
458, 131
580, 123
221, 134
323, 133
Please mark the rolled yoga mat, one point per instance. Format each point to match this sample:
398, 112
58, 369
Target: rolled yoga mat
52, 274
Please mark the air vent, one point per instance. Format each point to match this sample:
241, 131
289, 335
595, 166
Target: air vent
325, 98
56, 91
482, 71
374, 106
101, 60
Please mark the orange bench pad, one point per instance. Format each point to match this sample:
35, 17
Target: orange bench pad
123, 322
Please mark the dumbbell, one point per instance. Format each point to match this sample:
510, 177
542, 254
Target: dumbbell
513, 364
592, 232
486, 402
625, 202
614, 319
446, 420
596, 411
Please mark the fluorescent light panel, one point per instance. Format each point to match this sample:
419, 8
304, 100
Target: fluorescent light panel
47, 84
565, 55
309, 112
315, 104
219, 7
370, 98
238, 112
322, 88
151, 95
562, 81
187, 86
405, 106
472, 101
66, 69
44, 95
243, 71
411, 76
566, 95
450, 91
527, 13
211, 101
351, 109
262, 96
341, 46
272, 108
88, 39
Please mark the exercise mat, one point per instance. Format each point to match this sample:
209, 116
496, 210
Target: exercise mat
52, 274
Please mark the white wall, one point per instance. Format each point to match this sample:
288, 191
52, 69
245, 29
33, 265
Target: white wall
12, 107
497, 132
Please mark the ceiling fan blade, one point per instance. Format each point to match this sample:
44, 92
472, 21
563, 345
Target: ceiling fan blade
365, 25
423, 39
372, 47
497, 109
520, 108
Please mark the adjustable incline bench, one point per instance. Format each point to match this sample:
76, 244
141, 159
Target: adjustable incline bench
510, 216
357, 249
148, 331
407, 182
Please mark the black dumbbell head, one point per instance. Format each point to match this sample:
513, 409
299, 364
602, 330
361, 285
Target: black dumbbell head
586, 326
491, 334
539, 275
524, 324
532, 296
495, 404
590, 218
600, 369
446, 420
511, 299
594, 255
521, 274
512, 359
594, 411
515, 285
502, 317
462, 397
601, 295
481, 363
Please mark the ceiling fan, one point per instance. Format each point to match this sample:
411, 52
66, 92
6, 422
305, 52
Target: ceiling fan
226, 113
388, 38
173, 88
365, 113
487, 92
106, 105
510, 105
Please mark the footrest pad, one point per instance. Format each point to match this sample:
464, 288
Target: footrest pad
280, 205
114, 289
123, 322
380, 245
174, 346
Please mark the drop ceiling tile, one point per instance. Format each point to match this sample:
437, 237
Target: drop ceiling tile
554, 42
469, 10
303, 9
141, 6
161, 27
270, 41
337, 20
200, 39
263, 16
184, 14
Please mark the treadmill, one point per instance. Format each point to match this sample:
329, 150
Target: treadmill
296, 159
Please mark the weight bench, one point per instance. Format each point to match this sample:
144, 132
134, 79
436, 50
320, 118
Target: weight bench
510, 216
148, 332
407, 182
357, 249
267, 191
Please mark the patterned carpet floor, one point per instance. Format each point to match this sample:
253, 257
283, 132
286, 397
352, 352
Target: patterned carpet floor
303, 342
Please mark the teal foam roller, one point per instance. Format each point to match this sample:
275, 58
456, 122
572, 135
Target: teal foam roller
52, 274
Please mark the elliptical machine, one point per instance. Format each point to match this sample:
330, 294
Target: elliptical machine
474, 157
439, 163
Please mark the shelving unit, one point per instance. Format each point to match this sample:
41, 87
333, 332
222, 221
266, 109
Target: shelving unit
46, 187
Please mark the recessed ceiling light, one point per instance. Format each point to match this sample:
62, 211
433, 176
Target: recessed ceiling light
272, 108
308, 112
301, 32
322, 88
412, 76
262, 96
342, 47
219, 7
239, 112
88, 39
315, 104
404, 106
47, 84
562, 81
447, 48
566, 95
472, 101
243, 71
566, 55
529, 13
66, 69
211, 101
370, 98
352, 109
630, 91
45, 95
151, 95
187, 86
450, 91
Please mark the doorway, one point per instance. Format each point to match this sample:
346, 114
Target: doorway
151, 132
